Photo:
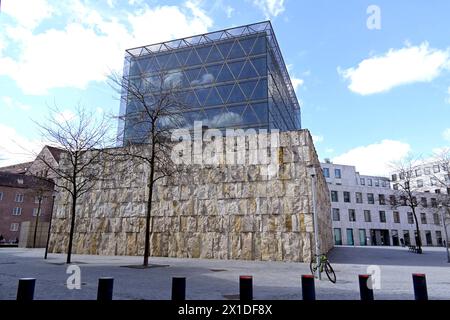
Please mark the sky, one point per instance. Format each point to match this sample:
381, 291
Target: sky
372, 77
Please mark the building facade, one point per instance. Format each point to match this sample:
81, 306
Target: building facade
19, 202
362, 213
232, 78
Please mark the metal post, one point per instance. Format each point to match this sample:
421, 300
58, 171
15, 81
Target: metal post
308, 287
365, 292
25, 291
49, 228
316, 225
420, 286
178, 288
105, 289
446, 234
245, 288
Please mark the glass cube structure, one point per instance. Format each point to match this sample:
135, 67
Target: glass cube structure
232, 78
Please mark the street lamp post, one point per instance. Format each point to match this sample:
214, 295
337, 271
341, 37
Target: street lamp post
315, 221
445, 231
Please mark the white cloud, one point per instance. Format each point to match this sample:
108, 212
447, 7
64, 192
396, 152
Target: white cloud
446, 134
10, 103
317, 138
27, 13
65, 115
15, 148
270, 8
396, 67
375, 159
92, 45
296, 83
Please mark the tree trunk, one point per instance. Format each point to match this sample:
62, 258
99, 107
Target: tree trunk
36, 222
72, 227
418, 238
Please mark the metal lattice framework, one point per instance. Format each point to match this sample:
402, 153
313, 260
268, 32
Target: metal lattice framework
225, 34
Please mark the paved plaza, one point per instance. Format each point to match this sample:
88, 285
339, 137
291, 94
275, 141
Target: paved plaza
218, 279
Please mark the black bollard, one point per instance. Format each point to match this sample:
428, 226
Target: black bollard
178, 288
246, 288
105, 289
420, 286
365, 292
25, 291
308, 287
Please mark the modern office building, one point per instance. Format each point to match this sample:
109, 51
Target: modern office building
362, 214
232, 78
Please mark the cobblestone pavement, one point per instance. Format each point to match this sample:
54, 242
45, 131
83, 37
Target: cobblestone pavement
218, 279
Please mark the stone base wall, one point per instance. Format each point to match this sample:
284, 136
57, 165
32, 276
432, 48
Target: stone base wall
220, 212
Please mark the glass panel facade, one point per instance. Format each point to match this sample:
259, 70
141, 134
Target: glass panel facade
237, 80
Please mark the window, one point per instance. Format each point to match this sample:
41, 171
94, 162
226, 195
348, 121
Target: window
436, 219
402, 200
14, 227
346, 196
334, 196
36, 199
1, 196
359, 197
423, 218
382, 199
382, 216
428, 237
396, 215
362, 181
384, 183
370, 198
436, 168
351, 215
17, 211
410, 218
419, 183
35, 211
362, 237
395, 186
336, 215
439, 238
392, 200
401, 175
437, 191
337, 237
377, 183
369, 182
433, 181
418, 172
19, 197
434, 203
337, 173
427, 170
406, 237
394, 177
367, 217
423, 202
350, 240
326, 172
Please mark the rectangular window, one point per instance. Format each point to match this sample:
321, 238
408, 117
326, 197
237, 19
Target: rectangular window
19, 197
418, 172
427, 170
382, 216
394, 177
434, 203
350, 240
370, 198
359, 197
436, 219
326, 172
36, 199
410, 218
351, 215
396, 215
428, 238
423, 218
392, 200
346, 196
395, 186
439, 238
14, 227
406, 237
419, 183
337, 236
377, 183
367, 217
384, 184
382, 199
336, 215
437, 191
424, 202
362, 237
334, 196
35, 211
433, 181
17, 211
369, 182
436, 168
337, 173
362, 181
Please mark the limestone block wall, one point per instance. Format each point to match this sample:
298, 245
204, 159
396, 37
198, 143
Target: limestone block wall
213, 211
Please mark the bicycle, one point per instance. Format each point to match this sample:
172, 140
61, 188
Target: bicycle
324, 263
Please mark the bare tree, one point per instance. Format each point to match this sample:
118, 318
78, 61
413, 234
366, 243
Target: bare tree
81, 140
154, 109
405, 193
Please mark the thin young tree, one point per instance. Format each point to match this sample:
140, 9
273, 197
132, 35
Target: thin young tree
81, 140
155, 107
405, 194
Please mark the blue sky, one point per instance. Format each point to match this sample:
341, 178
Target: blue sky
369, 96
